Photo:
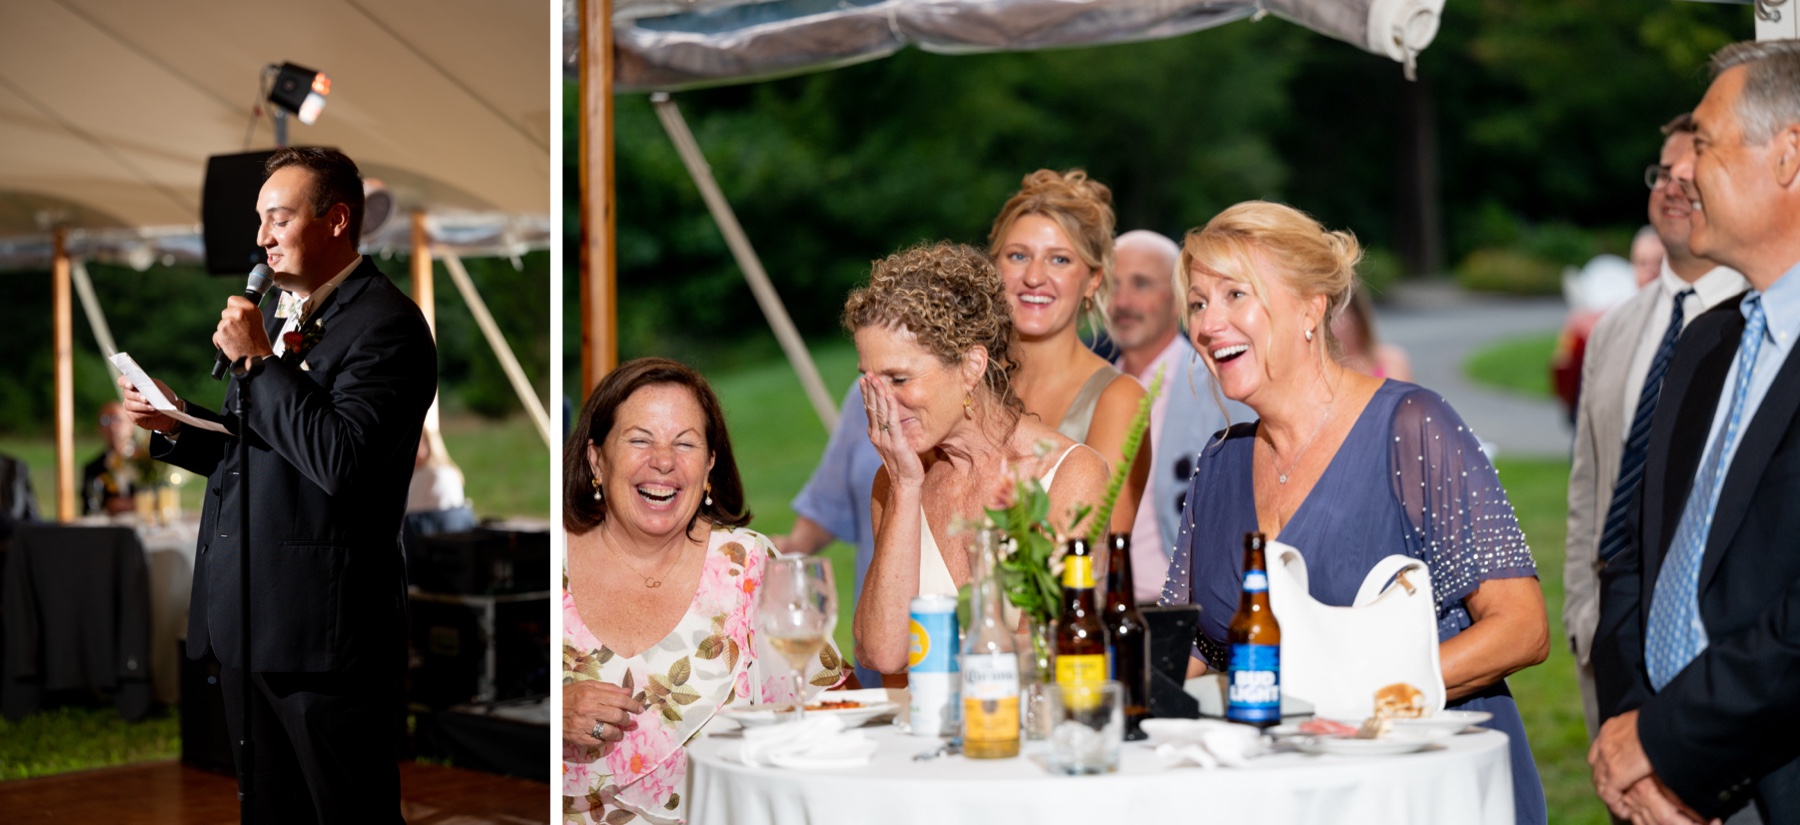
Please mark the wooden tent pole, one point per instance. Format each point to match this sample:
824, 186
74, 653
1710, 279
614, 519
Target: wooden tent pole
599, 262
424, 290
62, 326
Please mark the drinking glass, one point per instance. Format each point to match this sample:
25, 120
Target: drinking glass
796, 612
1090, 728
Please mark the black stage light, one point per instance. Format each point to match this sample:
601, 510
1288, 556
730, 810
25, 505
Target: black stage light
300, 90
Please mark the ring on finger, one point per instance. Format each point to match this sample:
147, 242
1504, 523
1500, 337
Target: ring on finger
599, 730
884, 428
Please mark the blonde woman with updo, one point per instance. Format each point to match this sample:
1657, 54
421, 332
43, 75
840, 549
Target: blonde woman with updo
1053, 243
1347, 467
934, 343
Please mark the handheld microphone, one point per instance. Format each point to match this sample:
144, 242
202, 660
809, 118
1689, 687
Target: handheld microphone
255, 289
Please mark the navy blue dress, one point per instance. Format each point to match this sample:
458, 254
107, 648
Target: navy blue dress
1410, 477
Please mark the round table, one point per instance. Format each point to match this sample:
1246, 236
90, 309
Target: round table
1465, 779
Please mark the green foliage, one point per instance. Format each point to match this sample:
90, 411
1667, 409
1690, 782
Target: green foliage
165, 318
1509, 272
73, 738
1520, 365
1025, 570
1379, 270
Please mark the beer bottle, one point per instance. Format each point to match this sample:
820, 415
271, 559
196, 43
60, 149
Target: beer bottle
1080, 634
1255, 637
990, 668
1130, 635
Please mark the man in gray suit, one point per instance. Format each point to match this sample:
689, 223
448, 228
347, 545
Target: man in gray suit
1621, 353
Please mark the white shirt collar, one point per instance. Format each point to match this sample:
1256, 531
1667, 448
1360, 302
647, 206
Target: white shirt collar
299, 308
1713, 288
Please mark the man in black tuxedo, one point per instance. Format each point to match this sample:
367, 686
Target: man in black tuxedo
1697, 654
341, 371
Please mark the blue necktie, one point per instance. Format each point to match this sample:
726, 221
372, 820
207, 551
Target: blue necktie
1631, 465
1675, 634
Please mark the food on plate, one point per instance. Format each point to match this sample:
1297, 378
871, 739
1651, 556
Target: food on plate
844, 704
1399, 701
1326, 727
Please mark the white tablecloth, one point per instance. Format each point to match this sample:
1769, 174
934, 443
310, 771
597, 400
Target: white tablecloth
1467, 780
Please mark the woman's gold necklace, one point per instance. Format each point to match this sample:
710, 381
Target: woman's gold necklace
655, 581
1283, 476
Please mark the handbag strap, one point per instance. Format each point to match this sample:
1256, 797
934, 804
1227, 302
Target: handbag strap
1287, 557
1376, 583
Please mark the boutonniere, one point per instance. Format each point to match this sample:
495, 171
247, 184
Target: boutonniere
296, 343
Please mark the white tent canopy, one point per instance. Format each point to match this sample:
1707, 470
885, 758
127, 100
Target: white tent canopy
109, 110
669, 45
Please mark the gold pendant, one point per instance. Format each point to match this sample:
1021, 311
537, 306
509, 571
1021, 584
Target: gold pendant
648, 582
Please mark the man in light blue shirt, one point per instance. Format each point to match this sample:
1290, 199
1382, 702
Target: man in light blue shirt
1700, 613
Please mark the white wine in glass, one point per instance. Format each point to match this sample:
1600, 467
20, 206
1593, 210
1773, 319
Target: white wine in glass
795, 612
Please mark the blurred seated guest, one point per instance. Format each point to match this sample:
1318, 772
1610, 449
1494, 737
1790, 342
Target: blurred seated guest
834, 504
934, 343
434, 499
17, 503
660, 585
110, 479
1361, 349
1346, 467
1647, 253
1053, 244
1186, 413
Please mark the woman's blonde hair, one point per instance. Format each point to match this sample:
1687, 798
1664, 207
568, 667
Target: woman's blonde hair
950, 298
1309, 258
1082, 208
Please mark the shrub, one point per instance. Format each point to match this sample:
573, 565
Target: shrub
1510, 272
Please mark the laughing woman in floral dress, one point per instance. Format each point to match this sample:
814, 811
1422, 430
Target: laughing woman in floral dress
659, 593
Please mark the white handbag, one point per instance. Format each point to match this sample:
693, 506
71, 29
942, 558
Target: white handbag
1337, 657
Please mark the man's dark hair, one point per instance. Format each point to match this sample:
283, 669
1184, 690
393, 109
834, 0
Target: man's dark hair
335, 180
1680, 124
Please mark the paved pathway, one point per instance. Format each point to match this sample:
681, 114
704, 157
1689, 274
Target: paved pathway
1440, 326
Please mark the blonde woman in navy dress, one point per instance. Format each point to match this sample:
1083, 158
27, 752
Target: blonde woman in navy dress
1347, 467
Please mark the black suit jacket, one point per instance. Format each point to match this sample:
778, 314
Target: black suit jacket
1726, 730
332, 439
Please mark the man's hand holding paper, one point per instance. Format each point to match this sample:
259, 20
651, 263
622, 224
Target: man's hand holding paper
150, 404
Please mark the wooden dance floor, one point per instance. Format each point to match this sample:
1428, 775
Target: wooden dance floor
169, 793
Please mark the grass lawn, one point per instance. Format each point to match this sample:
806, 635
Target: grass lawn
1520, 365
778, 440
507, 470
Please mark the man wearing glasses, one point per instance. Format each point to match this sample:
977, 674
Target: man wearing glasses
1621, 375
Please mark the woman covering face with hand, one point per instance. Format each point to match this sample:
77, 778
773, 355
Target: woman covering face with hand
1346, 467
659, 591
934, 343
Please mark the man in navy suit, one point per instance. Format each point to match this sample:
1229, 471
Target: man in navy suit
1697, 653
341, 370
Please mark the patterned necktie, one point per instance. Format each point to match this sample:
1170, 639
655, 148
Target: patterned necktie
1631, 465
1676, 634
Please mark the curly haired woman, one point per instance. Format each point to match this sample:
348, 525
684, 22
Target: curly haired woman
934, 342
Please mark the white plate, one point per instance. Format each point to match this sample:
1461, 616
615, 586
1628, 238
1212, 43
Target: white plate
752, 717
1342, 746
1439, 725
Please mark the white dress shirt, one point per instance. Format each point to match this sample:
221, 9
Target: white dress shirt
1710, 290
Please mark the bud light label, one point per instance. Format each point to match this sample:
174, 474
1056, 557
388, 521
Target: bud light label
1255, 693
1256, 581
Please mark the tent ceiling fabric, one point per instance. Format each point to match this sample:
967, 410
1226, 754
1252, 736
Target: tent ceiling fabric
670, 45
109, 110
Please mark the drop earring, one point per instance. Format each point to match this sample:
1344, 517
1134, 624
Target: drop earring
709, 494
597, 488
969, 406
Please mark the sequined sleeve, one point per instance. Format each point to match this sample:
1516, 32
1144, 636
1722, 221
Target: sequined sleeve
1464, 527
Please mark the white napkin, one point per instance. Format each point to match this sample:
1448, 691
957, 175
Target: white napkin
1209, 743
814, 742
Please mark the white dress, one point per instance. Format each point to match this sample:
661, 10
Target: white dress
934, 575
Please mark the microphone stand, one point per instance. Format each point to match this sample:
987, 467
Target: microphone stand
246, 749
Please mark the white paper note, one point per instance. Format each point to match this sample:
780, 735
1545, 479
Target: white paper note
148, 389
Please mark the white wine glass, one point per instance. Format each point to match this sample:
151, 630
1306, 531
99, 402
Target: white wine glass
796, 612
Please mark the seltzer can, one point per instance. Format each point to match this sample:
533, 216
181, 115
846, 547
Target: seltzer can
931, 673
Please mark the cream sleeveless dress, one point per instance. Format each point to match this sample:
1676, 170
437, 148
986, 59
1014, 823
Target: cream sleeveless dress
934, 576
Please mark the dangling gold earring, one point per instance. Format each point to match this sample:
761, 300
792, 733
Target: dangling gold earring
969, 406
709, 494
1087, 304
596, 488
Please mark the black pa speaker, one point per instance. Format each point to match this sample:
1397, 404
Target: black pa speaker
228, 212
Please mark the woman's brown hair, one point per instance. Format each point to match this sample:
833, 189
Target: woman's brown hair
581, 511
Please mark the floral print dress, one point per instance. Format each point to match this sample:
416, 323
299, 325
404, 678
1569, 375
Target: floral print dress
709, 660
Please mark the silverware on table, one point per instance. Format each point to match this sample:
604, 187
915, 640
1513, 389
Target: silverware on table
951, 748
